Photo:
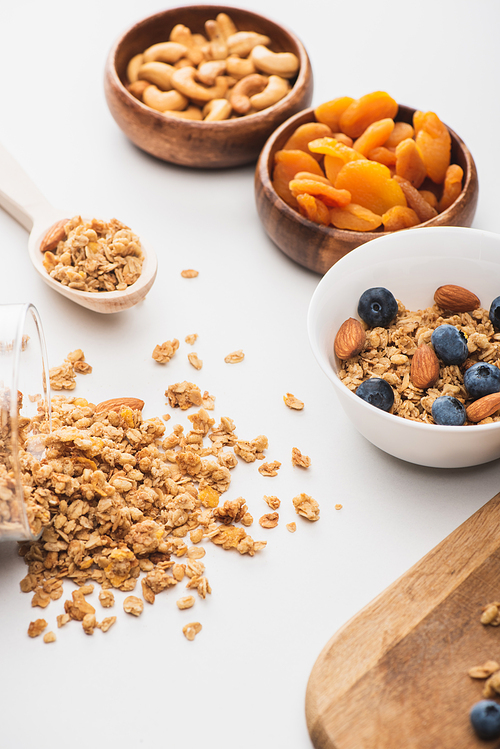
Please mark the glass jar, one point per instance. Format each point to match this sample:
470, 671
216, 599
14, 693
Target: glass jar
24, 407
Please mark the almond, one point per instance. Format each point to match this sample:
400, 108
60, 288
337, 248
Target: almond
456, 298
53, 236
483, 407
424, 369
115, 404
350, 339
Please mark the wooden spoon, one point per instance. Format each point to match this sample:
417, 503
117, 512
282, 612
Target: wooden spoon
396, 675
24, 202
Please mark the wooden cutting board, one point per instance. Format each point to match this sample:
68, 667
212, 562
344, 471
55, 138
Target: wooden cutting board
395, 676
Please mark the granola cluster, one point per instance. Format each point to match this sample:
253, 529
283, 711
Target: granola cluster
95, 256
489, 671
11, 500
63, 376
121, 501
387, 354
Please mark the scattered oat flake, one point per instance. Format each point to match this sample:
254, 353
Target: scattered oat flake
292, 402
234, 357
270, 469
133, 605
306, 506
162, 353
247, 519
106, 599
36, 628
338, 507
484, 671
191, 338
63, 619
166, 417
191, 630
292, 527
49, 637
189, 273
270, 520
272, 501
185, 602
195, 361
299, 460
107, 623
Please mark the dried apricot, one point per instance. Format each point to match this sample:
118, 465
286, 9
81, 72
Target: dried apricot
371, 185
374, 136
429, 197
402, 130
286, 166
355, 218
331, 196
409, 162
336, 155
310, 175
331, 111
399, 217
383, 155
343, 138
415, 200
365, 110
313, 209
303, 134
452, 186
434, 142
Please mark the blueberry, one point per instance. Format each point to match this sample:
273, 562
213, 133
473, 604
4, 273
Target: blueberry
450, 344
482, 379
377, 307
485, 719
495, 313
448, 411
377, 392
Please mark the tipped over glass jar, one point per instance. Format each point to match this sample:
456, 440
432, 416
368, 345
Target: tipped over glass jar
24, 405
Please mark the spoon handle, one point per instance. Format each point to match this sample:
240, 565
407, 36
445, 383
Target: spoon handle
19, 196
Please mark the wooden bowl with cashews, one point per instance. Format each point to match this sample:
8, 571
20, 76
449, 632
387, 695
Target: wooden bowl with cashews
205, 85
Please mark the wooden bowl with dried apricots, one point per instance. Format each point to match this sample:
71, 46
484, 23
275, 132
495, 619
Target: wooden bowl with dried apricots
332, 178
205, 85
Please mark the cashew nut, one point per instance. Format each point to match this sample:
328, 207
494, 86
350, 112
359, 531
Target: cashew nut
242, 42
165, 52
246, 87
275, 90
217, 109
183, 63
208, 71
217, 47
158, 73
226, 25
183, 35
133, 67
284, 64
163, 100
239, 68
184, 81
191, 113
137, 88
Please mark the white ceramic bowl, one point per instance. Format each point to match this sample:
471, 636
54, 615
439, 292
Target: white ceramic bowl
412, 264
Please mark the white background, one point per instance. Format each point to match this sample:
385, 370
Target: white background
242, 682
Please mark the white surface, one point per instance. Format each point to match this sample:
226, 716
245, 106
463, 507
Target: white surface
412, 264
242, 682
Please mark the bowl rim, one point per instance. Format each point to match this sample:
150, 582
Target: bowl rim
332, 375
263, 173
305, 71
